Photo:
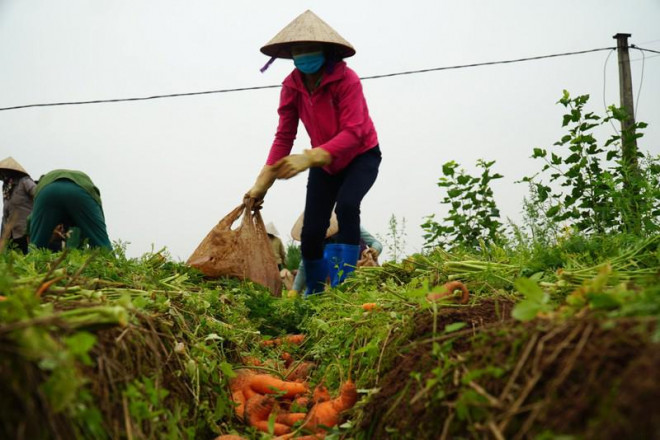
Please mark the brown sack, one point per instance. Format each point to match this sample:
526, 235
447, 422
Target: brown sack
367, 260
244, 252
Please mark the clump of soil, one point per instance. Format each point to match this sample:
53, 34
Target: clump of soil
499, 378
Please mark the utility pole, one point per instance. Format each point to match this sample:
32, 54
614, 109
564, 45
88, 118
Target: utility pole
628, 138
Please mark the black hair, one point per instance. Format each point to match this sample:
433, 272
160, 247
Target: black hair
333, 56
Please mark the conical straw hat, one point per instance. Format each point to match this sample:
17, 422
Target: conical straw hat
271, 229
307, 27
10, 164
332, 229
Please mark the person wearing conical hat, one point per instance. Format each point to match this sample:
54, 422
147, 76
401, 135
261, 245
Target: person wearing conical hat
69, 198
326, 95
277, 245
17, 200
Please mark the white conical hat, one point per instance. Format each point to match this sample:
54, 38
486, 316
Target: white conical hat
271, 229
10, 164
296, 231
306, 28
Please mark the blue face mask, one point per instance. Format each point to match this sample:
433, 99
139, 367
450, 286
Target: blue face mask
309, 62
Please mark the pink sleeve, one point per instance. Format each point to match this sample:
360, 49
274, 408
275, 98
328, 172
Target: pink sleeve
352, 114
287, 127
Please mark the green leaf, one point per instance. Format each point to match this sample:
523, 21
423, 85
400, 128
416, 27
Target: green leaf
552, 211
603, 301
526, 310
450, 328
227, 370
539, 152
530, 289
79, 344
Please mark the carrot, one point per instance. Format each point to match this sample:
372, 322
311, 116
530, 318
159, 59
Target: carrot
229, 437
238, 386
369, 307
449, 289
267, 384
46, 285
3, 298
252, 361
239, 398
321, 394
289, 419
257, 411
289, 339
301, 402
287, 358
327, 414
316, 436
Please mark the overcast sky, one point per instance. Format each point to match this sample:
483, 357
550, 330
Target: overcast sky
169, 169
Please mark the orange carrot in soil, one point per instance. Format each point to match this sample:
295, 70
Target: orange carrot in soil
289, 339
46, 285
289, 419
321, 394
369, 307
316, 436
238, 386
267, 384
287, 358
257, 412
450, 287
327, 414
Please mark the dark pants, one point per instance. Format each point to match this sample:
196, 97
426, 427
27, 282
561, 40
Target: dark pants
346, 189
64, 202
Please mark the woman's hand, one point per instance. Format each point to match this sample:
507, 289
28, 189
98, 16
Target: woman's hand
291, 165
261, 185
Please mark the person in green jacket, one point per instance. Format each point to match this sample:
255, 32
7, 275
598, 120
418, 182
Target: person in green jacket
69, 198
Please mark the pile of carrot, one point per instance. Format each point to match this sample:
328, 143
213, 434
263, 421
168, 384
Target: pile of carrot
261, 397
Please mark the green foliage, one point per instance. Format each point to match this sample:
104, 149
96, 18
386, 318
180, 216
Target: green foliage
473, 215
536, 300
395, 238
293, 256
275, 316
594, 187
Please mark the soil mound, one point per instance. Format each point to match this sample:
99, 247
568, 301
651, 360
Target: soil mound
498, 378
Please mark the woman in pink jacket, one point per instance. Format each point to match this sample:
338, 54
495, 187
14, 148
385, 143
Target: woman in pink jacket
326, 95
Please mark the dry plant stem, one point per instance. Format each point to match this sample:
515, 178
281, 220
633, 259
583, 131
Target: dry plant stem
492, 400
382, 352
518, 367
538, 370
42, 320
127, 419
570, 363
54, 266
495, 431
82, 267
447, 424
466, 332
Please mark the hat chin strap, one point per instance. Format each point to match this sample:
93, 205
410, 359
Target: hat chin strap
267, 65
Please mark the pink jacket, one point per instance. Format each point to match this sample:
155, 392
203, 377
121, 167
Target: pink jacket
335, 116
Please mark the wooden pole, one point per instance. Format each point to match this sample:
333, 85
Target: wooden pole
628, 138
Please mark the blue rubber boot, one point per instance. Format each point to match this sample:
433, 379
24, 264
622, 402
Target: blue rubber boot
342, 259
316, 271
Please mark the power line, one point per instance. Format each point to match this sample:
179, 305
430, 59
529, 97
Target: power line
243, 89
642, 49
463, 66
